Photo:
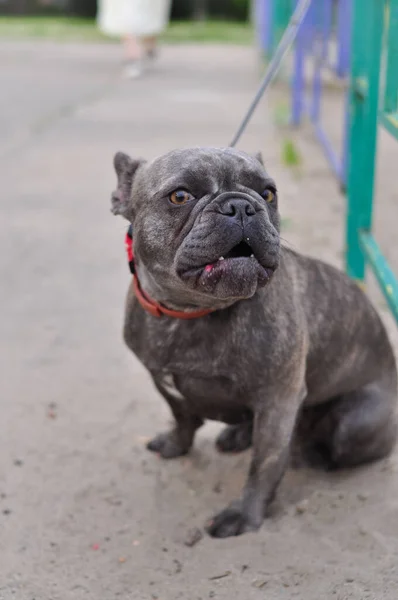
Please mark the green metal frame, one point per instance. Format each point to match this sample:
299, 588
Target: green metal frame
373, 102
282, 11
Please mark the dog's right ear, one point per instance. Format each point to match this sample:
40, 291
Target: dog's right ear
125, 168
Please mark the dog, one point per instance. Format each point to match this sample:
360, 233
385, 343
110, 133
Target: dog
235, 327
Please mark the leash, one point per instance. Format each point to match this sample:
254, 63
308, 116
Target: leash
284, 46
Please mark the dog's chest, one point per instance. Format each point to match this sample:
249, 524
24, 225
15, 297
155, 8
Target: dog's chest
217, 398
192, 350
214, 369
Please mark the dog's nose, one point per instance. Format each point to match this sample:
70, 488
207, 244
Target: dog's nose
238, 209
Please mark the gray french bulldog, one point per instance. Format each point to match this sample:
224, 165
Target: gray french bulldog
235, 327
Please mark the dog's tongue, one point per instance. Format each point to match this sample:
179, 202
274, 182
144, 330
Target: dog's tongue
209, 268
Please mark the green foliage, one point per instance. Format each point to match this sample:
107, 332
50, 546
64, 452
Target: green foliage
291, 156
70, 29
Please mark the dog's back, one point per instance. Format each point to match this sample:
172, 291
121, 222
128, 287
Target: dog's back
348, 343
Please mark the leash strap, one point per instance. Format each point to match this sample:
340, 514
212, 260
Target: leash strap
284, 46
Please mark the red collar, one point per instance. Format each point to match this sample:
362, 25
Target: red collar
151, 306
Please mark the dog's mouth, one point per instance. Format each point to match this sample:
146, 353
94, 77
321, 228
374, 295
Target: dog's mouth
241, 250
238, 270
240, 254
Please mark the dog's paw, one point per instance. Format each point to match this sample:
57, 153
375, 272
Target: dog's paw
167, 445
231, 521
235, 438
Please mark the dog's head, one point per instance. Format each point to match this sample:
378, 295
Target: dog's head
205, 223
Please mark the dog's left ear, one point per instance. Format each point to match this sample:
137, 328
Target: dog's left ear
125, 168
258, 156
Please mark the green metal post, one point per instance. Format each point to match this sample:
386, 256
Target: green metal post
282, 12
367, 34
391, 91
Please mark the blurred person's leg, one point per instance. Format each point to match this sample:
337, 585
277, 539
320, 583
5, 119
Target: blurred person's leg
157, 23
150, 46
132, 47
134, 54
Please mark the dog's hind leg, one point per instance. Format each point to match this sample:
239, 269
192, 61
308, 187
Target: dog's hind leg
356, 428
235, 438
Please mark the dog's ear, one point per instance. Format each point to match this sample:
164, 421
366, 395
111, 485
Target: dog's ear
125, 168
258, 156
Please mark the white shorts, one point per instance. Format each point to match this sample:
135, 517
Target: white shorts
135, 17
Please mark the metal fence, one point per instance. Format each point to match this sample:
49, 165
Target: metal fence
325, 38
373, 97
356, 41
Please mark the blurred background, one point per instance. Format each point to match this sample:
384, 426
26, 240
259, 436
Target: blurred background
190, 20
84, 10
85, 513
182, 9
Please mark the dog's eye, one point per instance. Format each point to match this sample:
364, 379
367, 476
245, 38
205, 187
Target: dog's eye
180, 197
268, 195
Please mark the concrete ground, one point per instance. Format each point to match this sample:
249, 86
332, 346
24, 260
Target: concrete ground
85, 511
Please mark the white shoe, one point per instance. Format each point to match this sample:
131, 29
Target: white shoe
133, 70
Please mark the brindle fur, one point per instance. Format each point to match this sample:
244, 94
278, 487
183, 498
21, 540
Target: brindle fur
303, 359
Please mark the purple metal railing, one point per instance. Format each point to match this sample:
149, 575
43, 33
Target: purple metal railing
327, 27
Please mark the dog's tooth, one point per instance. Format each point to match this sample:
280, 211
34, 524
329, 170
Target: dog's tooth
221, 258
251, 255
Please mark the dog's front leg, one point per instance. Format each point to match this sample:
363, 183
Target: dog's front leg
178, 441
273, 429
